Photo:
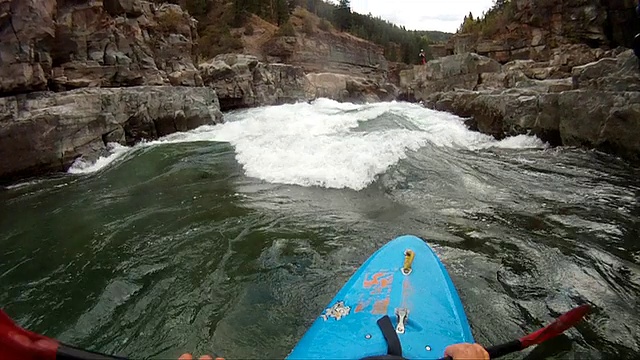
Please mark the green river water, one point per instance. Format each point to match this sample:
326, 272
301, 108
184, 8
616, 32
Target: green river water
232, 239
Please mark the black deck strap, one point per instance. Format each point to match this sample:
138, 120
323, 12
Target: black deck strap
389, 333
394, 349
384, 357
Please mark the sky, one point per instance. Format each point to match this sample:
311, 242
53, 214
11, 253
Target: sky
443, 15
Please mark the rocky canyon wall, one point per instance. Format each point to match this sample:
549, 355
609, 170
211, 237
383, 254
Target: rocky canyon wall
76, 75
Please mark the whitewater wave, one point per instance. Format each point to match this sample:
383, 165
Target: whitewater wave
82, 166
326, 143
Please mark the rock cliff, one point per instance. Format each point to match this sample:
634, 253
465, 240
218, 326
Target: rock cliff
597, 107
555, 68
315, 46
45, 132
65, 44
242, 81
462, 71
328, 52
532, 29
76, 75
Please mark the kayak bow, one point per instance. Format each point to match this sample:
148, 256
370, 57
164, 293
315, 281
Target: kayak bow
405, 281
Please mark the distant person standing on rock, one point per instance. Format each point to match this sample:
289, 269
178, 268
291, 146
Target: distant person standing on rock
423, 57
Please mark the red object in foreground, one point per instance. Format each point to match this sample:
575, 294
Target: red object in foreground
560, 325
18, 343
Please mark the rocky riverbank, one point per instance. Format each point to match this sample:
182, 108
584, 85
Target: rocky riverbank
77, 75
558, 69
597, 105
46, 132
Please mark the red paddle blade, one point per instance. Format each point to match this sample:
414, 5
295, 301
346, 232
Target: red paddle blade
564, 322
18, 343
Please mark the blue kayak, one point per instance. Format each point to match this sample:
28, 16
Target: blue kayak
401, 301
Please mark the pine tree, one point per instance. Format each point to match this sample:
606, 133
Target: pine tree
239, 12
343, 15
282, 11
311, 6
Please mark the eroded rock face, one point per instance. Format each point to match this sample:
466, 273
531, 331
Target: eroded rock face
27, 32
328, 52
476, 72
460, 71
242, 81
46, 132
600, 110
539, 27
621, 73
64, 44
349, 88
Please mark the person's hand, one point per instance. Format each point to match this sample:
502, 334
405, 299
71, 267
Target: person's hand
466, 352
188, 356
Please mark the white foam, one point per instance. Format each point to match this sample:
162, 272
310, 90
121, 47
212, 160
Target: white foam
521, 142
23, 184
317, 144
449, 130
81, 166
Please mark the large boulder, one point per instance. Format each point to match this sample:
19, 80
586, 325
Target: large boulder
279, 84
327, 85
343, 87
45, 132
242, 81
609, 74
609, 121
460, 71
231, 76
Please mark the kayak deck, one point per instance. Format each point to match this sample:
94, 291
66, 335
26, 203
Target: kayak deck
347, 329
